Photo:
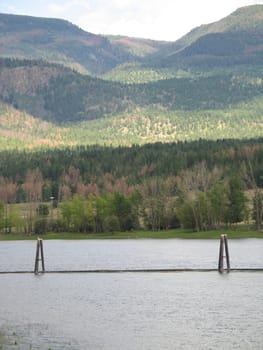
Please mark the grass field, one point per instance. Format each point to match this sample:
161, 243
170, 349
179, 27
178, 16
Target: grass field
237, 233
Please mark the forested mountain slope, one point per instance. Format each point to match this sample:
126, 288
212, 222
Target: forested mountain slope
60, 41
207, 85
57, 40
233, 41
57, 94
247, 18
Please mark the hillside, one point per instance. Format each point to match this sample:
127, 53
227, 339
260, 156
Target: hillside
245, 18
136, 46
20, 130
55, 93
60, 41
207, 85
59, 95
233, 41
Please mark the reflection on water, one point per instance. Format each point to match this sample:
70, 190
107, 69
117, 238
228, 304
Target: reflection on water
130, 311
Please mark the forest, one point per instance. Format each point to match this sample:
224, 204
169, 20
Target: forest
199, 185
57, 94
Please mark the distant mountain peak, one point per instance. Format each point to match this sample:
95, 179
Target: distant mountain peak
243, 18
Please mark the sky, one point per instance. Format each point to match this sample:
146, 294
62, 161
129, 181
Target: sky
152, 19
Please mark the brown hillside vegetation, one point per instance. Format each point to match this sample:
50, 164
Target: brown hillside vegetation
19, 127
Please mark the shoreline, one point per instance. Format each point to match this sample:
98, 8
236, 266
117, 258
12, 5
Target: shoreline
165, 234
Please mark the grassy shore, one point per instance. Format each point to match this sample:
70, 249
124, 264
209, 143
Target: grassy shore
179, 233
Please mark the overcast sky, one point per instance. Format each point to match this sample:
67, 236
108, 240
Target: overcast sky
152, 19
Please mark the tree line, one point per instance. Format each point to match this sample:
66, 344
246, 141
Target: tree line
200, 185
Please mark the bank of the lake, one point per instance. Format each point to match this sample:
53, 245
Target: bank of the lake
237, 233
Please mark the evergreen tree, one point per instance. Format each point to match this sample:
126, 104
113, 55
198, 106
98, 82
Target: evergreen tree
237, 201
258, 208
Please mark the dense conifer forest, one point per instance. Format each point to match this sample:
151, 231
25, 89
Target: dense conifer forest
199, 185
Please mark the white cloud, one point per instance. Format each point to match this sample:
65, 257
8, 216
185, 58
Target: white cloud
56, 8
157, 19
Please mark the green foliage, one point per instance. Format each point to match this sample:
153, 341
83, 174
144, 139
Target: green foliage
202, 213
139, 127
155, 186
202, 201
156, 125
10, 218
110, 212
257, 213
135, 73
111, 224
2, 220
208, 106
136, 46
233, 233
74, 97
75, 215
237, 201
120, 206
14, 220
134, 163
66, 96
186, 216
218, 202
43, 210
41, 226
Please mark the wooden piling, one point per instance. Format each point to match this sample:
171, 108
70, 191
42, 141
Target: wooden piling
223, 253
39, 257
227, 254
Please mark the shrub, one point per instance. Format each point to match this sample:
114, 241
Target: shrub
111, 224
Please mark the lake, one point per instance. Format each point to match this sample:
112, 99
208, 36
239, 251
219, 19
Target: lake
133, 311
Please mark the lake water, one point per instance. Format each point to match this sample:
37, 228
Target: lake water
131, 311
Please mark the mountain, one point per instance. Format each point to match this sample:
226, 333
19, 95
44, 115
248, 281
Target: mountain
233, 44
60, 41
233, 41
209, 84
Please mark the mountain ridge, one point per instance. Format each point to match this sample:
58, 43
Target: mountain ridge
61, 41
239, 34
58, 41
214, 75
